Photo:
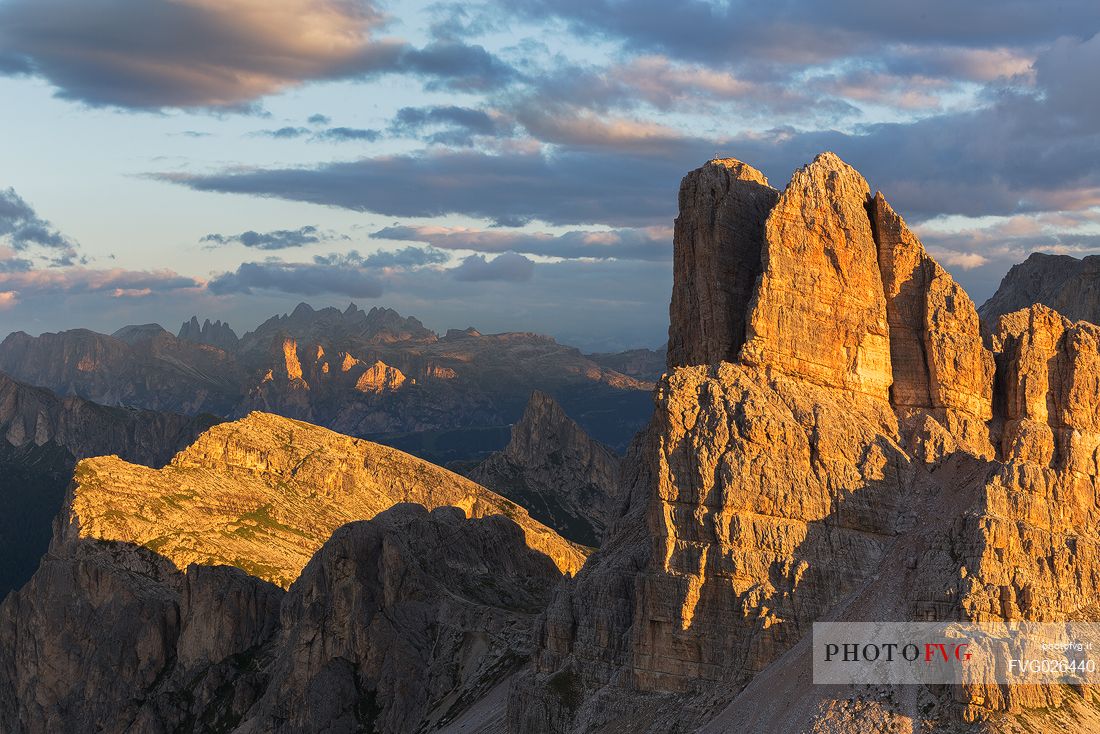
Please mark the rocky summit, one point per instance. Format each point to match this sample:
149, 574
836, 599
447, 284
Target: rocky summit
554, 469
1066, 284
264, 493
833, 440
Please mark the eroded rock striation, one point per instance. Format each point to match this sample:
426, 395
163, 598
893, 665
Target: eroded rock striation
863, 455
551, 467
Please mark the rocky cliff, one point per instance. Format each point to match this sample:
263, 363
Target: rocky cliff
42, 436
175, 616
834, 441
1061, 282
551, 467
396, 625
838, 437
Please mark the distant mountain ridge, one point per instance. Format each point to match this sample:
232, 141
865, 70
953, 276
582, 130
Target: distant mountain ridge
215, 334
310, 364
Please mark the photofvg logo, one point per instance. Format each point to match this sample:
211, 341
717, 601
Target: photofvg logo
955, 653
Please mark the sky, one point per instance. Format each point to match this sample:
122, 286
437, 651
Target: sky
513, 164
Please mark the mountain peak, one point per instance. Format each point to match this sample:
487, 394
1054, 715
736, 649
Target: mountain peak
215, 334
553, 467
135, 333
1065, 283
264, 492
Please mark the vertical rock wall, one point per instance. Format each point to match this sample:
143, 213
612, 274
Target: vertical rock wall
716, 260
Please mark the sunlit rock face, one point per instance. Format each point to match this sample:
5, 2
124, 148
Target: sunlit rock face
162, 604
265, 492
861, 455
716, 261
818, 311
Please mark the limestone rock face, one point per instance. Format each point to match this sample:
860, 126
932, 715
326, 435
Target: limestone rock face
1051, 381
938, 360
380, 377
719, 232
819, 311
551, 467
1061, 282
397, 623
264, 493
858, 460
400, 622
743, 532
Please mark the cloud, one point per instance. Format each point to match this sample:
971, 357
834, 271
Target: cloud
307, 279
284, 133
280, 239
455, 66
453, 125
8, 299
570, 186
25, 231
653, 243
345, 134
319, 119
150, 54
508, 267
579, 127
80, 280
964, 260
807, 32
339, 273
405, 258
670, 85
328, 135
219, 54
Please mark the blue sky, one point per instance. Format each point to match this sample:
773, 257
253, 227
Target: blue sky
509, 165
